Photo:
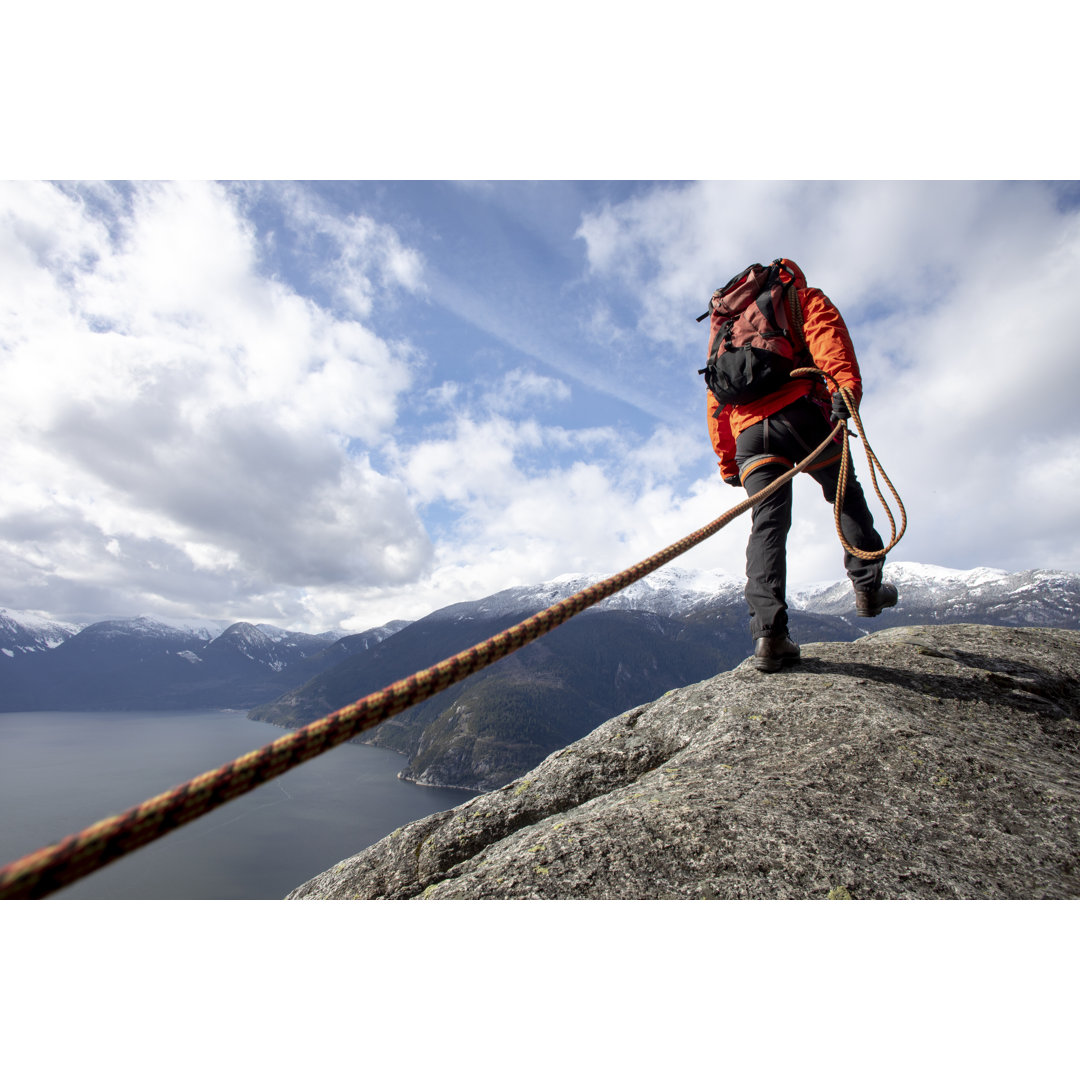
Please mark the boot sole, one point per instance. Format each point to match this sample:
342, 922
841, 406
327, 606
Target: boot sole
771, 666
873, 614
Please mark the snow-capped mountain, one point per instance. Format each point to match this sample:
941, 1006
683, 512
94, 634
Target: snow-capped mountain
270, 646
27, 631
674, 591
928, 593
936, 594
666, 591
151, 662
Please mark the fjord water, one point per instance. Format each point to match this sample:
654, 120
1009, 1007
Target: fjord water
63, 771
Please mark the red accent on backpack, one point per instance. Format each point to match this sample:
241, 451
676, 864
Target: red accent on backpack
755, 334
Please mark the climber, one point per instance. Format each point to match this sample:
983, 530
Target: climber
759, 439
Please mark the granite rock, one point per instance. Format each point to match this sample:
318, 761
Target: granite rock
923, 762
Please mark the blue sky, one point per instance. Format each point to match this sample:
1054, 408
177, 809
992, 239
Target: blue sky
334, 404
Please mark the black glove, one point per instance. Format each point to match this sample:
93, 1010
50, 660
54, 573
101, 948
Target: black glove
733, 481
839, 409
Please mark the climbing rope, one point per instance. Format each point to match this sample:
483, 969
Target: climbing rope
846, 471
51, 868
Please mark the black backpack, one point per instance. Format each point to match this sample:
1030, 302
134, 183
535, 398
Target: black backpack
756, 334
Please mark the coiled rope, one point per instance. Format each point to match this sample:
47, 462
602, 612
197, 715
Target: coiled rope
51, 868
846, 471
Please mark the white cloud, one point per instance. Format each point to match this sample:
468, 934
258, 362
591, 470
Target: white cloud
364, 254
888, 244
523, 390
960, 300
532, 501
174, 415
192, 431
602, 327
673, 246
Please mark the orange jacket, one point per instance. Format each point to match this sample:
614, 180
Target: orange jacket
830, 347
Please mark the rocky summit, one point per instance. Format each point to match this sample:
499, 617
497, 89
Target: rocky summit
919, 762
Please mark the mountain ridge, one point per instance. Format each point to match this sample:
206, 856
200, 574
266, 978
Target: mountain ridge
142, 662
450, 742
675, 627
666, 590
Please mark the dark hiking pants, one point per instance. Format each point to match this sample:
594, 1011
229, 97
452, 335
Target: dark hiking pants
792, 433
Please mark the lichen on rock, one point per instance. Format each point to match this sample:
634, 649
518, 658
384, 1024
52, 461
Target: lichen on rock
917, 762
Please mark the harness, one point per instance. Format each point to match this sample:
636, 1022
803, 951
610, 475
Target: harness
765, 458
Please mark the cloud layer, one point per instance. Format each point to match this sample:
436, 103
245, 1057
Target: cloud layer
182, 426
266, 402
959, 300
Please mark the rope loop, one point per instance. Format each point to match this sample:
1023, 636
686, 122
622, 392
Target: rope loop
846, 470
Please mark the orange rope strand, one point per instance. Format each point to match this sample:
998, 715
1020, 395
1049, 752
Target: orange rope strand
845, 472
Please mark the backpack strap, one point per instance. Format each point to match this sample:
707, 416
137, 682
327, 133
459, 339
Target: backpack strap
712, 300
795, 309
791, 297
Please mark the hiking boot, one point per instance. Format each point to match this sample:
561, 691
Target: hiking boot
869, 602
771, 653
